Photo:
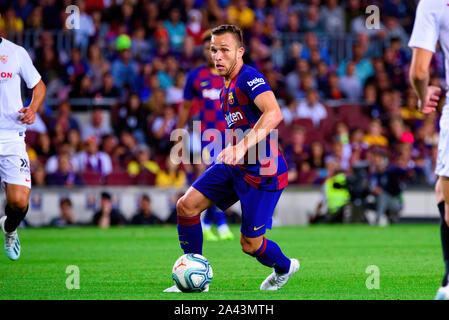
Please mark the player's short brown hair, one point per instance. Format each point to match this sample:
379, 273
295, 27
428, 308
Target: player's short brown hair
229, 28
206, 36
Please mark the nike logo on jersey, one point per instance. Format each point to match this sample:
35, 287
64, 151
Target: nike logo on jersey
28, 180
255, 229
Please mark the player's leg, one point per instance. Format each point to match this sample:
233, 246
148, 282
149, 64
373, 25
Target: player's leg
206, 223
442, 193
213, 187
257, 210
224, 233
17, 197
16, 181
189, 208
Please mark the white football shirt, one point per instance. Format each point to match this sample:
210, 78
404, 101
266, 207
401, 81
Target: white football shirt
432, 24
15, 63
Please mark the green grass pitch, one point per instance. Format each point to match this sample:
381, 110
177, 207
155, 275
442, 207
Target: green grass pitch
136, 262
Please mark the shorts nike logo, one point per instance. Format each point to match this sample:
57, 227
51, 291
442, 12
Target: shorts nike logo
27, 180
255, 229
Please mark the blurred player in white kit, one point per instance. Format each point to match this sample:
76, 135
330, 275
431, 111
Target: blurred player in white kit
15, 175
431, 25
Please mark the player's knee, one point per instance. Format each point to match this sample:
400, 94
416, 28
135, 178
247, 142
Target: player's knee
248, 247
18, 203
184, 209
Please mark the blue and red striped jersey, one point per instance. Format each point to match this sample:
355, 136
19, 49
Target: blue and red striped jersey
268, 171
203, 89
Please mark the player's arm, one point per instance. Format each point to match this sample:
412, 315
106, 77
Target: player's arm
423, 41
29, 113
419, 79
269, 120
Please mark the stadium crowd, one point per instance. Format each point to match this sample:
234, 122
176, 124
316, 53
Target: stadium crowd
139, 52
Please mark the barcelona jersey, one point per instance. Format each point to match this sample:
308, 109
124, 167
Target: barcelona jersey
264, 166
202, 88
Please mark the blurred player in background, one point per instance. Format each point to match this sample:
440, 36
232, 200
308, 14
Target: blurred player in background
249, 105
15, 175
202, 88
431, 24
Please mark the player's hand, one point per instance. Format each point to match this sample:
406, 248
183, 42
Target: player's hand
28, 116
231, 155
431, 99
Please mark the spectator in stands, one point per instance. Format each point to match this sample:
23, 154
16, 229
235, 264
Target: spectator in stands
311, 43
311, 108
312, 21
10, 22
97, 127
126, 149
51, 165
374, 137
296, 152
387, 183
93, 160
44, 149
64, 118
34, 20
409, 112
23, 9
171, 177
333, 17
162, 127
77, 67
144, 215
108, 216
66, 216
108, 89
338, 154
174, 94
74, 140
124, 69
194, 29
315, 158
132, 117
240, 13
86, 28
98, 66
142, 162
38, 176
350, 85
333, 90
358, 146
64, 175
293, 78
363, 67
175, 28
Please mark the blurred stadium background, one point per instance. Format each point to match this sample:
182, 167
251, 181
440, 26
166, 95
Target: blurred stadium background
114, 87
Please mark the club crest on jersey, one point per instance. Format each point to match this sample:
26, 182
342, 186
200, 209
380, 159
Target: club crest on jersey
3, 58
231, 98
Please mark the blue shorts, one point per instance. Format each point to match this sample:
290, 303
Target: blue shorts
224, 185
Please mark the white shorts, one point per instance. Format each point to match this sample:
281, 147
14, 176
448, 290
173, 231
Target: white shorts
442, 167
14, 163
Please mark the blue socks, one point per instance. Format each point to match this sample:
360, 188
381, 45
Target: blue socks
190, 234
269, 254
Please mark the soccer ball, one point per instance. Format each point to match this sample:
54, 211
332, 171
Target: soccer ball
192, 273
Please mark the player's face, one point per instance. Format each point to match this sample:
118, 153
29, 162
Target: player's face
226, 53
207, 54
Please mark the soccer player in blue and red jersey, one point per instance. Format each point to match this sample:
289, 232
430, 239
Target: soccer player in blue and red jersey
249, 105
202, 102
